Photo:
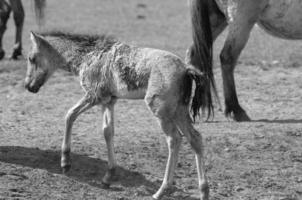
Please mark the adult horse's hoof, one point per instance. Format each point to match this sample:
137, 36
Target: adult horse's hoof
236, 113
66, 169
241, 117
16, 53
2, 54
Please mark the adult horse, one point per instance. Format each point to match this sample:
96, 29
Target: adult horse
6, 6
280, 18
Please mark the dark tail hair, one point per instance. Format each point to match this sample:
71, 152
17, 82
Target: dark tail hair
203, 51
39, 7
200, 99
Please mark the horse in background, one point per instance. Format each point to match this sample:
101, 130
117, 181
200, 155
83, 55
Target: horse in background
109, 70
6, 6
280, 18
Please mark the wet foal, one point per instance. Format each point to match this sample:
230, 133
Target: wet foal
110, 70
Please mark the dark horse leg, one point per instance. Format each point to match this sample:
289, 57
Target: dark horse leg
5, 10
19, 15
218, 23
240, 27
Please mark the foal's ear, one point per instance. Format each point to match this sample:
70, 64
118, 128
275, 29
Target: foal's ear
35, 39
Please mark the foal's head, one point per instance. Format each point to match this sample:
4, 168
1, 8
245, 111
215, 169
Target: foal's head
41, 63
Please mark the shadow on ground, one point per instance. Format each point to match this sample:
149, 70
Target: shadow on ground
280, 121
84, 169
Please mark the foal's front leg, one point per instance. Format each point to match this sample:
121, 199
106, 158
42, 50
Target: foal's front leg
108, 131
84, 104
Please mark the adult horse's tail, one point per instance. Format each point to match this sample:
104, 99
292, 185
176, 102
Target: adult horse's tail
201, 55
39, 7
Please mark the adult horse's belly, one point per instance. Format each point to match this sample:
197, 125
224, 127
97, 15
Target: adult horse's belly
282, 18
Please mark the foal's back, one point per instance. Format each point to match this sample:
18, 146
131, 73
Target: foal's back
128, 72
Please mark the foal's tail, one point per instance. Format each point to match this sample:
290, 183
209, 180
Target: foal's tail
200, 99
39, 7
203, 51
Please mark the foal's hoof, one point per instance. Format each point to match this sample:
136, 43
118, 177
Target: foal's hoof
109, 177
163, 192
205, 190
155, 198
66, 169
2, 54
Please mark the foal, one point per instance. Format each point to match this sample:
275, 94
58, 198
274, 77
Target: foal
109, 70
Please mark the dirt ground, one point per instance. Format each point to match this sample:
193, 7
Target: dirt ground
258, 160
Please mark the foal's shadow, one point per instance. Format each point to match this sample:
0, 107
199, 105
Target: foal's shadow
84, 169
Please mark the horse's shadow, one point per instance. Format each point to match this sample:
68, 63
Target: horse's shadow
280, 121
84, 168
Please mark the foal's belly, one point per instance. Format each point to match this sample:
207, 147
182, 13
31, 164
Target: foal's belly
282, 18
124, 93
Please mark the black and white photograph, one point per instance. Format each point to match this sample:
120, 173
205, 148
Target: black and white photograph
150, 100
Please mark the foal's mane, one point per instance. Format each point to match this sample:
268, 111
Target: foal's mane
85, 42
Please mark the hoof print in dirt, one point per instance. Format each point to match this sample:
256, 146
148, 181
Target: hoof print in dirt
141, 5
141, 17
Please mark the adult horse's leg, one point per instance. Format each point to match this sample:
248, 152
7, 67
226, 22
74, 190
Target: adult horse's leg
243, 19
84, 104
108, 131
5, 10
207, 24
18, 11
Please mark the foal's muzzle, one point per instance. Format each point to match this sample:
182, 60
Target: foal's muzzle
34, 88
33, 84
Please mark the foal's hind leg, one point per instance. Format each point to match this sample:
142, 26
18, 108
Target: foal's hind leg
164, 112
173, 139
108, 131
18, 11
184, 123
84, 104
4, 15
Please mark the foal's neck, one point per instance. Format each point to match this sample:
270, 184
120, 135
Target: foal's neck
69, 58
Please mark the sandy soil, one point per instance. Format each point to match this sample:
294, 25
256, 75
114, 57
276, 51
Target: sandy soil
258, 160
